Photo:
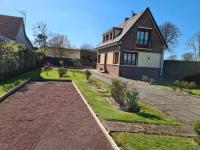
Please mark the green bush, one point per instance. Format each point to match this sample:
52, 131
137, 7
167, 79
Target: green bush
87, 74
117, 90
131, 100
152, 81
184, 85
62, 71
126, 98
196, 127
145, 78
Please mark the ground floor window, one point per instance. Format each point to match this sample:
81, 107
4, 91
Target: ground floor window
99, 58
116, 58
130, 58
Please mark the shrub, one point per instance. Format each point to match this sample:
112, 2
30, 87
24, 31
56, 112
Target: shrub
145, 78
117, 90
126, 98
181, 85
196, 127
131, 100
87, 74
62, 71
152, 81
61, 63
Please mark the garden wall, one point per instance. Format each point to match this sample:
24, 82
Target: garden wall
180, 70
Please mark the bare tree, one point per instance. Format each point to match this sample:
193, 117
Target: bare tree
172, 57
194, 44
59, 42
87, 46
170, 33
40, 34
188, 56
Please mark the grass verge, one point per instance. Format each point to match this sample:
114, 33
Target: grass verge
106, 111
132, 141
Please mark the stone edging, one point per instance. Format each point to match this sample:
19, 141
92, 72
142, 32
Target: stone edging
10, 92
117, 126
105, 132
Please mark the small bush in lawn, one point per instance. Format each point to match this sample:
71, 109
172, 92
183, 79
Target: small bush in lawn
152, 81
87, 74
145, 78
184, 85
131, 100
117, 90
62, 71
196, 126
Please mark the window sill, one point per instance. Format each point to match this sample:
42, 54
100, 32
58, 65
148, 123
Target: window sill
143, 48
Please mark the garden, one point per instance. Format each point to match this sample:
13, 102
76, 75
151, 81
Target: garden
115, 103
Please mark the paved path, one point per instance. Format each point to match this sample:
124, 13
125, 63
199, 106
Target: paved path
182, 107
48, 116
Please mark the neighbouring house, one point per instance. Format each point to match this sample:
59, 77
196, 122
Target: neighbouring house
132, 49
71, 57
12, 29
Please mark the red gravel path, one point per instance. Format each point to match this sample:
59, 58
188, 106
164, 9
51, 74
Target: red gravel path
48, 116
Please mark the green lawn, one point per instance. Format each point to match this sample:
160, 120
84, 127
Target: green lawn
132, 141
107, 112
7, 85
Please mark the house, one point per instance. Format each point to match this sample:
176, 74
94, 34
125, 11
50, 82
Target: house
71, 57
132, 49
12, 29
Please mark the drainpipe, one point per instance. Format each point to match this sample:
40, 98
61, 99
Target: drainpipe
162, 63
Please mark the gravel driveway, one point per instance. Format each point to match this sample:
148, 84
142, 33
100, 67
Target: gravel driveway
182, 107
48, 116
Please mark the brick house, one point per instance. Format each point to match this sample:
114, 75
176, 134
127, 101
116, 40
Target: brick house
12, 29
133, 48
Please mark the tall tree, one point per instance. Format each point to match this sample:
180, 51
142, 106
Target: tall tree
194, 44
172, 57
40, 34
87, 46
188, 56
59, 42
170, 33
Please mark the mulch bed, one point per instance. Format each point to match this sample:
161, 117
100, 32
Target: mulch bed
48, 115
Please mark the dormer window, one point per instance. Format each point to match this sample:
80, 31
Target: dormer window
104, 38
143, 38
107, 37
111, 36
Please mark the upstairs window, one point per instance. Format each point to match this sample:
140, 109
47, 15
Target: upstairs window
104, 39
107, 37
111, 36
143, 38
116, 58
130, 58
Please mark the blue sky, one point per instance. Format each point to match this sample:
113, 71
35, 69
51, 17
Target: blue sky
84, 21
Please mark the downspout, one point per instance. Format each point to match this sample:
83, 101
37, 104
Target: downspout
162, 63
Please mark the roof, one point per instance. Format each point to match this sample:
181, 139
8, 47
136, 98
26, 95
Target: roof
126, 26
10, 25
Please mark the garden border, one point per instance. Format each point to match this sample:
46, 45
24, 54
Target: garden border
105, 132
10, 92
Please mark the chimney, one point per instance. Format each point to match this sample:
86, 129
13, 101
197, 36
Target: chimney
133, 13
126, 19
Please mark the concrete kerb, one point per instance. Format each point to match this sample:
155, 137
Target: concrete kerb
112, 142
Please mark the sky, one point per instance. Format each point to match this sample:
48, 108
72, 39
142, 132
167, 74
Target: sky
84, 21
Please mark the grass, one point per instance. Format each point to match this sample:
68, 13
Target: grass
107, 112
195, 92
7, 85
132, 141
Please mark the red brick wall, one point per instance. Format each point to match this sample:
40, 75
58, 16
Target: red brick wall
129, 41
112, 69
